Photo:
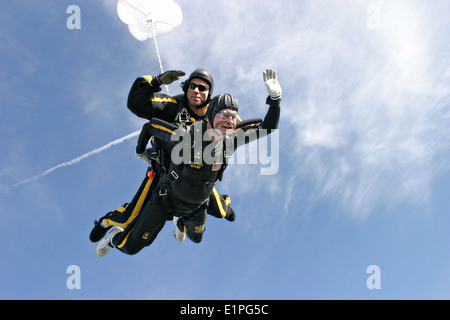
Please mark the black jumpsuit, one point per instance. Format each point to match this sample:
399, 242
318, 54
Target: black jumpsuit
145, 102
187, 186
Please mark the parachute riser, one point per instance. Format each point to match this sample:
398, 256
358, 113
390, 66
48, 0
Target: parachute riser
157, 52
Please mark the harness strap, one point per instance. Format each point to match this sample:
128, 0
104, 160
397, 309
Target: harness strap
164, 185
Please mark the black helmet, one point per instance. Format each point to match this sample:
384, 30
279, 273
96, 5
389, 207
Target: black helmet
220, 102
201, 74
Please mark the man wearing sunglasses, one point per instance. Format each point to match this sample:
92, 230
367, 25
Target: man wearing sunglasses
145, 101
185, 189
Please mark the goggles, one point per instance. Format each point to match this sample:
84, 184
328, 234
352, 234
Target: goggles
225, 114
199, 86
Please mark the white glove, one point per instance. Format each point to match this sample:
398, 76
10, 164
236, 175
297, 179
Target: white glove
144, 157
272, 85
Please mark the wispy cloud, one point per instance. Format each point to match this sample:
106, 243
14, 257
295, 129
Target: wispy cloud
365, 106
370, 118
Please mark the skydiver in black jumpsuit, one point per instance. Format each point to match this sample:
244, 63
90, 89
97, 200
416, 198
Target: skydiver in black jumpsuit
184, 191
145, 102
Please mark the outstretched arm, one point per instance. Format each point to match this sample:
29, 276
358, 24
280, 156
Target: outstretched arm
270, 122
273, 100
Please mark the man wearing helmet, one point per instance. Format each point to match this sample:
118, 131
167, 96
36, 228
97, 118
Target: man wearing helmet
184, 191
145, 101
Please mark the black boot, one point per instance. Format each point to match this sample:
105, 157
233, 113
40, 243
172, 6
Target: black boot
98, 231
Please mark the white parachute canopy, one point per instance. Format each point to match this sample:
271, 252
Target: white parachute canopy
148, 18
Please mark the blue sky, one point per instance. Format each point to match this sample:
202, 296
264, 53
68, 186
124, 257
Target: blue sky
364, 138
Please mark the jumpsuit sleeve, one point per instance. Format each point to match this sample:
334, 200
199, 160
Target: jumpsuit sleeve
252, 133
145, 101
161, 130
243, 124
144, 137
273, 115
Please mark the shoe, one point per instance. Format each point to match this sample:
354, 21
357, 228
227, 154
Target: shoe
231, 215
98, 231
105, 245
226, 198
180, 229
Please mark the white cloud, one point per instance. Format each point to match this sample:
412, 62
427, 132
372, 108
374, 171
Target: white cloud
371, 117
366, 108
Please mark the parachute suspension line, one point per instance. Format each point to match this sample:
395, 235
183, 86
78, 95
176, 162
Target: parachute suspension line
157, 52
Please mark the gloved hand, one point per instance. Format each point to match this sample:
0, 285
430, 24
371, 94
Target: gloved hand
272, 85
169, 76
145, 156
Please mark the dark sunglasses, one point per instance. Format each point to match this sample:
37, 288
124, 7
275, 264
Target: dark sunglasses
199, 86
